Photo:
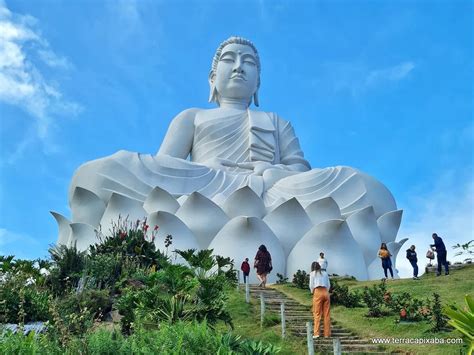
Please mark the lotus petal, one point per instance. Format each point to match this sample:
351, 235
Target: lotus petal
240, 239
160, 200
289, 222
120, 205
203, 217
365, 231
86, 207
182, 199
341, 250
378, 195
388, 225
169, 224
394, 248
83, 235
323, 210
244, 202
64, 236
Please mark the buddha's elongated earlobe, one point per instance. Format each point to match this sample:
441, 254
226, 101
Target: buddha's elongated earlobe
213, 95
255, 98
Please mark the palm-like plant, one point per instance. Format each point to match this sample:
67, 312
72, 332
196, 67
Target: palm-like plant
463, 320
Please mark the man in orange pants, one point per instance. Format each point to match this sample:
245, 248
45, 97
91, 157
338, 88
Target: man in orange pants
319, 285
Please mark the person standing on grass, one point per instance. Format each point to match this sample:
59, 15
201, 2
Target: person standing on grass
245, 267
385, 255
441, 254
411, 256
263, 264
319, 286
323, 262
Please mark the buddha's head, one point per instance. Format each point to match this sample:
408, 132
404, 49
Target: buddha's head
235, 72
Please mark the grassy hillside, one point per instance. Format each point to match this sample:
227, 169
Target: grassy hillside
452, 289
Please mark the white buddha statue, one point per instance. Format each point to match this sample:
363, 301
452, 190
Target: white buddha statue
218, 152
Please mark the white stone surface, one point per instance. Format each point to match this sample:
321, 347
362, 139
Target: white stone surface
83, 236
169, 224
86, 207
160, 200
289, 222
203, 217
231, 161
64, 229
240, 239
334, 238
365, 231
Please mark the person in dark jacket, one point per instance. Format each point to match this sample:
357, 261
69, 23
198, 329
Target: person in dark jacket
411, 256
441, 254
263, 264
245, 267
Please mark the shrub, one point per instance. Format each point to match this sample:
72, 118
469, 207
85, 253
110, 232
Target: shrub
22, 301
103, 269
439, 320
281, 279
301, 279
129, 240
409, 308
67, 268
374, 299
340, 294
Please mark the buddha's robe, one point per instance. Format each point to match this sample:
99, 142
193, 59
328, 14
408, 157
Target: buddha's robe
246, 136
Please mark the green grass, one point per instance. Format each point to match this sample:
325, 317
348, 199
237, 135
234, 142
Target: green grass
452, 289
246, 318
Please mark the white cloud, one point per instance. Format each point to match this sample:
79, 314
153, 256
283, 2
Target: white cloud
10, 242
447, 211
357, 79
23, 84
395, 73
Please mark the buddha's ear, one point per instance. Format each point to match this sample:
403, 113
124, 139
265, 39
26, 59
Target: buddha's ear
255, 98
212, 92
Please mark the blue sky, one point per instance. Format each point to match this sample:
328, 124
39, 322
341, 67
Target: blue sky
386, 87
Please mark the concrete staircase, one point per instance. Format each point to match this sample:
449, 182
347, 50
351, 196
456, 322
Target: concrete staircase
297, 315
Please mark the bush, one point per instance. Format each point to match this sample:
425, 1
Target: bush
68, 267
439, 321
103, 269
281, 279
21, 300
301, 279
129, 240
374, 299
409, 308
340, 294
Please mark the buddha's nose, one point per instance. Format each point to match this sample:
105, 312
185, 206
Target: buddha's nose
238, 67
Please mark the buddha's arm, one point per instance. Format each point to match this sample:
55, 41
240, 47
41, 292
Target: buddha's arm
178, 140
291, 155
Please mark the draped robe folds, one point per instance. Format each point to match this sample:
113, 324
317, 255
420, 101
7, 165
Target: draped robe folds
246, 136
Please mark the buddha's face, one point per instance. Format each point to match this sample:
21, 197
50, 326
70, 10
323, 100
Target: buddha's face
236, 75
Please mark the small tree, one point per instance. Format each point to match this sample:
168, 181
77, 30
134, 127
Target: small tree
439, 320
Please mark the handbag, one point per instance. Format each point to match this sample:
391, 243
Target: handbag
430, 255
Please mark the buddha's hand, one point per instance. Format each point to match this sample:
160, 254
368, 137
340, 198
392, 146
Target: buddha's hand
219, 163
258, 167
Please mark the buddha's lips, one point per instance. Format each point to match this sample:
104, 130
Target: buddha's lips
238, 76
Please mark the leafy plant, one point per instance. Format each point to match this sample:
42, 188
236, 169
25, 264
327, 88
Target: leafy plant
301, 279
340, 294
439, 320
281, 279
463, 321
68, 264
374, 299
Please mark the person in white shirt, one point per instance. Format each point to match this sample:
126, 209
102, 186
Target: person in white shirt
323, 262
319, 285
